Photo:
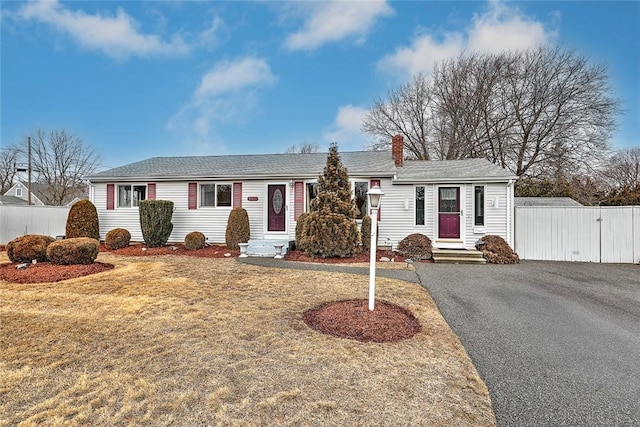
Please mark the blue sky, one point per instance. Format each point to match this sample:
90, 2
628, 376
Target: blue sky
167, 78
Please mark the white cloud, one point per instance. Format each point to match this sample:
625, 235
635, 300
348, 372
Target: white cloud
228, 93
117, 36
328, 22
423, 53
345, 129
500, 28
503, 28
210, 36
235, 76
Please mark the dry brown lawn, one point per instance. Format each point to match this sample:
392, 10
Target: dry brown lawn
174, 340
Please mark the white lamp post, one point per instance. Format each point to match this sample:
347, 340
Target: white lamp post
375, 195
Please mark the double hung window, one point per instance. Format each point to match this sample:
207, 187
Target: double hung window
215, 195
131, 195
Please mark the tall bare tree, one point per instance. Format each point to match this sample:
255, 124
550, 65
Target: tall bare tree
543, 112
564, 112
60, 161
623, 168
8, 160
406, 111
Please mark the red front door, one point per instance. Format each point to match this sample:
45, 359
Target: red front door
277, 205
449, 212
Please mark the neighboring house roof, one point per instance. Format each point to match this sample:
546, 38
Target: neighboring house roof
12, 200
24, 186
39, 192
546, 201
305, 165
452, 170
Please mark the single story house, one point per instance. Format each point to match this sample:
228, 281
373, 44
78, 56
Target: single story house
453, 202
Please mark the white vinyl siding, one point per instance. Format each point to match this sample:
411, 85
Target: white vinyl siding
397, 212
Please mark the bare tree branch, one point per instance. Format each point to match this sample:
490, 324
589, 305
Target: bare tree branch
8, 158
61, 161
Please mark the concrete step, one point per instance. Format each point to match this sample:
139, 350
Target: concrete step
458, 256
266, 248
452, 260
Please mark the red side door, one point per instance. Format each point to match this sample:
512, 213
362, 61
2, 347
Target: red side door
277, 203
449, 212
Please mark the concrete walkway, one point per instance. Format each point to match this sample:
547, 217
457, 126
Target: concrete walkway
558, 344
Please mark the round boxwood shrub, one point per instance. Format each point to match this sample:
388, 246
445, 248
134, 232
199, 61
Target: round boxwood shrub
194, 240
29, 247
82, 221
415, 246
238, 230
117, 238
79, 250
497, 251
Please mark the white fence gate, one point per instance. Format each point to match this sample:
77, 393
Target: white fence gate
17, 221
589, 234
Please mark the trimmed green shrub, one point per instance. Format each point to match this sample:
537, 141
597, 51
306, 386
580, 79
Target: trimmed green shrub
415, 246
497, 251
299, 227
365, 232
79, 250
194, 240
330, 230
238, 230
155, 221
117, 238
82, 221
29, 247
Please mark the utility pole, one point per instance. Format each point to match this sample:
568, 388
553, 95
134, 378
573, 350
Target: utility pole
29, 175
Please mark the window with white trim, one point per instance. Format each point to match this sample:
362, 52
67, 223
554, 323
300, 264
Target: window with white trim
419, 205
478, 205
215, 195
360, 189
18, 192
131, 195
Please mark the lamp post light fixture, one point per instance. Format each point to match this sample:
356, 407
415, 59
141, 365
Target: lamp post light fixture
374, 195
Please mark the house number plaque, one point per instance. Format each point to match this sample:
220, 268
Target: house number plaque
277, 201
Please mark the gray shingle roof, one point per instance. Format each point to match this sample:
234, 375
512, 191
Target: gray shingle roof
11, 200
366, 163
452, 170
547, 201
296, 165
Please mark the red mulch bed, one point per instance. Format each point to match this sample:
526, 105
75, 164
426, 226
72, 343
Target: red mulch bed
48, 272
360, 258
213, 251
352, 319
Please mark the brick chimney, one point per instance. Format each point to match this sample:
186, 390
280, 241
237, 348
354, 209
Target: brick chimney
397, 149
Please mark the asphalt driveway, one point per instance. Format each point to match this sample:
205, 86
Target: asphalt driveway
556, 343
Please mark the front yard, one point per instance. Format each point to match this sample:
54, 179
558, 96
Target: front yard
176, 340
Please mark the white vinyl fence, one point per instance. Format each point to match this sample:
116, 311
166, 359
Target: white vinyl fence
16, 221
589, 234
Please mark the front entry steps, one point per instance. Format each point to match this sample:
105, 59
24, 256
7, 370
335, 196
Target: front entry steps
266, 248
458, 256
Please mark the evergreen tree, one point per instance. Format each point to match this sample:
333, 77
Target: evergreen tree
330, 229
